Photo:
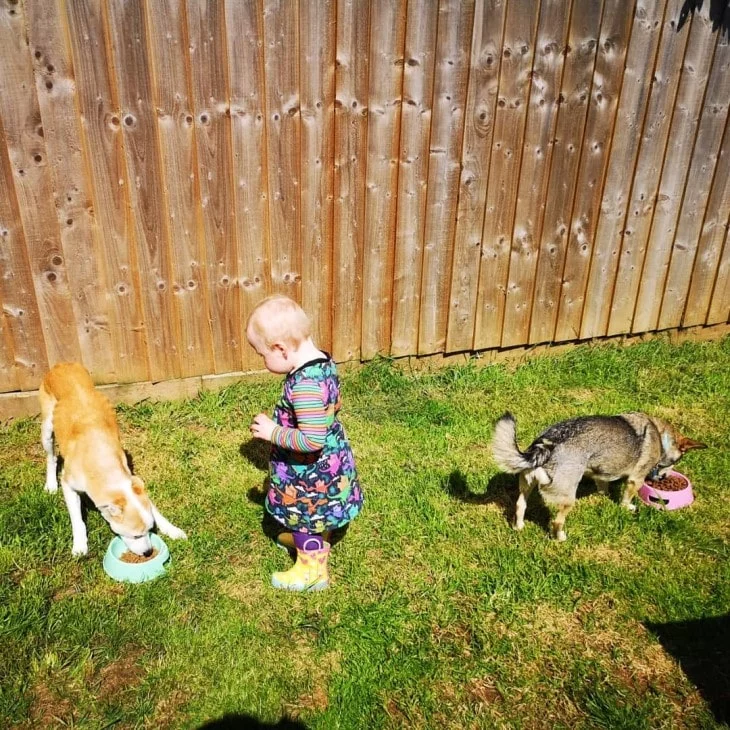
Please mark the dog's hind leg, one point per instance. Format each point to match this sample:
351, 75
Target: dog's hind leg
559, 521
525, 489
630, 491
78, 528
47, 442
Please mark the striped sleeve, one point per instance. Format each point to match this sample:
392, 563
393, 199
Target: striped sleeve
309, 436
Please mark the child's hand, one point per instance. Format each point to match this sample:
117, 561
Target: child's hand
262, 427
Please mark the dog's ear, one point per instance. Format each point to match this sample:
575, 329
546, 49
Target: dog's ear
138, 486
686, 444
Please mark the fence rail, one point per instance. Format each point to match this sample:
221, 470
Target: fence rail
425, 177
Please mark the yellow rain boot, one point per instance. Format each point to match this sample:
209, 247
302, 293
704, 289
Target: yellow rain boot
309, 573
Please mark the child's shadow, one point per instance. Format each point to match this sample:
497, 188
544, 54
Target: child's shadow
256, 452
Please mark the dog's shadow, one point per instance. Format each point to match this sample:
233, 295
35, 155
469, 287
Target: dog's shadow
503, 490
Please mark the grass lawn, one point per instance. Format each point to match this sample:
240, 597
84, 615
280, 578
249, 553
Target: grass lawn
439, 616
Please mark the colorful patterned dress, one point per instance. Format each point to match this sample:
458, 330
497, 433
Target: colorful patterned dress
313, 481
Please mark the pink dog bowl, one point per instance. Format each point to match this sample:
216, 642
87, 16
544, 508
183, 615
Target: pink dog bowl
662, 499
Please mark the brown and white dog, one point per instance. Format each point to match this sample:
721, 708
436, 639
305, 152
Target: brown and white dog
85, 427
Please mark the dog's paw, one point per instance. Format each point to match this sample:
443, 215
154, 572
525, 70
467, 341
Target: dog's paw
560, 536
175, 533
80, 548
518, 526
51, 487
630, 506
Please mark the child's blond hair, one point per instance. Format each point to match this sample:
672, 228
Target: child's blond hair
279, 319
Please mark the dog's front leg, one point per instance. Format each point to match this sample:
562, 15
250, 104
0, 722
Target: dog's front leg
47, 442
166, 527
78, 528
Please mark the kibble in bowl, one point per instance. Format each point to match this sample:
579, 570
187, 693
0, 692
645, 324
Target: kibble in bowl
123, 565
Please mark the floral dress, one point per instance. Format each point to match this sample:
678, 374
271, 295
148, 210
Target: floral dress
313, 480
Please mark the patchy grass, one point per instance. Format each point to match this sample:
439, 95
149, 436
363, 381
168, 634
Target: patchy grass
439, 616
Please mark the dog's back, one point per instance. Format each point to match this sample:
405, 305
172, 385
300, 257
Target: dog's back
78, 408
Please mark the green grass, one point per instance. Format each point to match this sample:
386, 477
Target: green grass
439, 616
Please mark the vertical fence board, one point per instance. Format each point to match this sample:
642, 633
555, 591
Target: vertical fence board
281, 59
580, 59
451, 71
624, 150
351, 90
712, 235
8, 373
130, 52
639, 212
168, 52
317, 26
381, 177
509, 126
415, 127
207, 38
101, 127
697, 191
74, 210
542, 112
720, 302
605, 91
33, 184
20, 310
685, 119
481, 105
245, 32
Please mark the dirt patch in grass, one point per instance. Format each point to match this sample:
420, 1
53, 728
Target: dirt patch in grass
315, 671
167, 711
122, 675
48, 709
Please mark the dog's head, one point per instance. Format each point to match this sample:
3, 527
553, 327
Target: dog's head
674, 447
129, 514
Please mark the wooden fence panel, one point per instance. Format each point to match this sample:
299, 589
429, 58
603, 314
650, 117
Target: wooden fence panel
547, 71
639, 212
447, 124
415, 128
8, 373
509, 126
244, 31
32, 179
77, 225
606, 89
685, 120
624, 151
481, 107
720, 303
175, 132
281, 54
697, 190
381, 179
580, 58
208, 61
149, 222
351, 99
317, 25
101, 136
20, 310
712, 236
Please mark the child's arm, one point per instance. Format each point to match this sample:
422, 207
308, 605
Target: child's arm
311, 415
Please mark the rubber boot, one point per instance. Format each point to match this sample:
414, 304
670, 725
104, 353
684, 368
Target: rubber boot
309, 573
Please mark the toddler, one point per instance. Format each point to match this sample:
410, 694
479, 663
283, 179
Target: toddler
313, 484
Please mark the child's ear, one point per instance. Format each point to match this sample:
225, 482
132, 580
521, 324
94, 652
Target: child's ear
281, 348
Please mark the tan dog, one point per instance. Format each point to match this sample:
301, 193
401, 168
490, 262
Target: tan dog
85, 427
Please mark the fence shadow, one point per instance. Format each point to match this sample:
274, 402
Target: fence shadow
248, 722
719, 14
702, 648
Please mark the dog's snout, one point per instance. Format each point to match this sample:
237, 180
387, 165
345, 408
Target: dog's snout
147, 553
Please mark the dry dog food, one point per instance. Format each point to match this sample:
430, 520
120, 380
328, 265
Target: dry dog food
669, 483
130, 557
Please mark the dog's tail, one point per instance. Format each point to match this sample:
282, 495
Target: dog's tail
507, 454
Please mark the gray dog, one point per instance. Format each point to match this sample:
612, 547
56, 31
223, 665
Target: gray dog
605, 448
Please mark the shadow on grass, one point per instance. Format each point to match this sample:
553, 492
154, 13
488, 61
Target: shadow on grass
702, 648
248, 722
256, 452
502, 490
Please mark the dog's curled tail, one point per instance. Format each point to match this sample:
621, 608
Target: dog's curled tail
507, 454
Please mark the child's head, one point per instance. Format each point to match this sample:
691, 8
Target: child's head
277, 327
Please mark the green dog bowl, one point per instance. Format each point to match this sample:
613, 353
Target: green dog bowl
116, 568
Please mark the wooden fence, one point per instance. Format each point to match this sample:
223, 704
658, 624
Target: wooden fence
425, 176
